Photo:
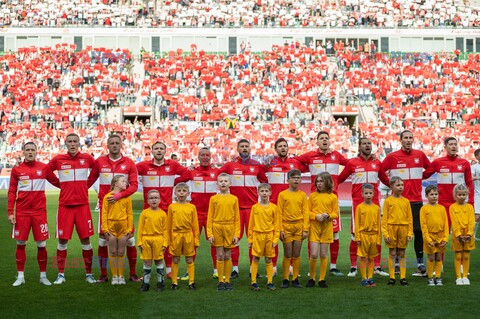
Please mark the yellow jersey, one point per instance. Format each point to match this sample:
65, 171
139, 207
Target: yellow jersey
152, 223
319, 203
367, 220
397, 211
463, 219
264, 219
293, 207
118, 211
182, 218
434, 220
223, 209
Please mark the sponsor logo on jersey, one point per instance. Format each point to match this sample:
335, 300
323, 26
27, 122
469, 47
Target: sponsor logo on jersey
276, 169
360, 169
237, 172
123, 167
444, 170
317, 161
39, 173
152, 173
401, 165
65, 166
82, 162
105, 170
23, 177
198, 178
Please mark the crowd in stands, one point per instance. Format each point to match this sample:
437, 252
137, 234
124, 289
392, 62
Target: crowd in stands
243, 13
213, 100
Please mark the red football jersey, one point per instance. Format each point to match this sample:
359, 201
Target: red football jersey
318, 162
73, 175
245, 175
162, 178
203, 185
409, 166
26, 193
451, 170
277, 171
106, 169
362, 171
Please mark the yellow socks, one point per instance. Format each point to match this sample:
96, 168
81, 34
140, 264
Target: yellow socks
430, 266
174, 273
313, 268
403, 267
363, 267
438, 269
254, 271
323, 267
191, 272
370, 268
228, 269
220, 270
114, 266
391, 266
269, 268
121, 266
458, 262
466, 263
286, 267
296, 267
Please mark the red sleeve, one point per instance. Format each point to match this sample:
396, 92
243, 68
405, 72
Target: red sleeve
132, 181
52, 178
347, 171
12, 191
224, 168
262, 178
469, 182
426, 161
304, 159
385, 166
53, 164
94, 173
382, 176
343, 160
431, 169
183, 172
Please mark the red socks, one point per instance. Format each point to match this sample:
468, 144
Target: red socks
235, 255
87, 258
61, 256
353, 253
42, 258
132, 259
334, 251
20, 257
103, 259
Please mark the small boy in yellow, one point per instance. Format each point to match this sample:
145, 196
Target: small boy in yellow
368, 234
223, 229
152, 239
463, 223
263, 234
294, 224
182, 225
397, 229
434, 222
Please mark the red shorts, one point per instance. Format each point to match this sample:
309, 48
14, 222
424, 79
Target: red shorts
80, 216
100, 231
244, 219
37, 222
202, 222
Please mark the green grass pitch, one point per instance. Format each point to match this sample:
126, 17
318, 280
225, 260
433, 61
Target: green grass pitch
344, 298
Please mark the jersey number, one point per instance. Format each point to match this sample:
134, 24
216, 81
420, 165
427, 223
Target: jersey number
44, 228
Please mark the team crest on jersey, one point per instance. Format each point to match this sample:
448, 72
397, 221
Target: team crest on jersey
17, 233
82, 162
333, 157
416, 160
252, 169
374, 166
212, 175
459, 167
292, 166
60, 232
167, 168
39, 173
123, 167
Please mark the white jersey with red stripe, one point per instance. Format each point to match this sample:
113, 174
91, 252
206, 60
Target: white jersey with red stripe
451, 170
245, 176
318, 162
409, 166
161, 178
105, 169
277, 171
73, 175
203, 185
26, 193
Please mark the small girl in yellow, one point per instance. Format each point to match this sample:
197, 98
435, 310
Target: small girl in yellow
463, 223
323, 207
117, 223
397, 228
434, 222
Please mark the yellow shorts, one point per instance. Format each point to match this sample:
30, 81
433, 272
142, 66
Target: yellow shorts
293, 232
118, 228
398, 236
437, 239
223, 235
368, 245
321, 232
152, 248
262, 245
182, 244
457, 246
